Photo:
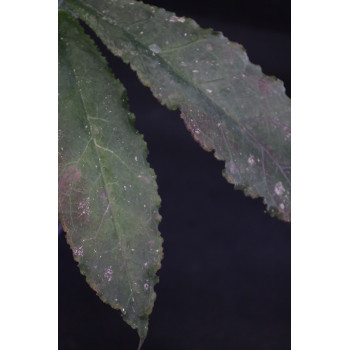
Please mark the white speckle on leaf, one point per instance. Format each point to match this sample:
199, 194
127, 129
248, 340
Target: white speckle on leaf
145, 264
135, 158
124, 188
78, 251
84, 206
251, 160
146, 179
177, 19
185, 34
279, 189
108, 273
281, 207
195, 71
132, 249
123, 311
197, 131
146, 286
232, 167
209, 91
155, 48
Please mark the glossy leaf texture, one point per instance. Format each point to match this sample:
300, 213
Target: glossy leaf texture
108, 201
227, 103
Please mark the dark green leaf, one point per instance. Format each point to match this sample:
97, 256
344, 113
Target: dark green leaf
108, 201
228, 105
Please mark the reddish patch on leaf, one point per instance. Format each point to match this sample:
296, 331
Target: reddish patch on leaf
265, 86
69, 176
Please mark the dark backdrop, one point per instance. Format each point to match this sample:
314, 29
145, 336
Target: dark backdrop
225, 277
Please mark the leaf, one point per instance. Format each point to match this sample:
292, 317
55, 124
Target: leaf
227, 103
108, 201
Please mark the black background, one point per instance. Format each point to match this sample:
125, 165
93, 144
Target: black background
225, 278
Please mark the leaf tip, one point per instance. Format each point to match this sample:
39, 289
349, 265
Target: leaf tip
140, 343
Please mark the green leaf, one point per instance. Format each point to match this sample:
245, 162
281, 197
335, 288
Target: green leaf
108, 201
227, 103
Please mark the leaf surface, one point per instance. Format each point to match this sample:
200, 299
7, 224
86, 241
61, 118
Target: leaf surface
227, 103
108, 201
